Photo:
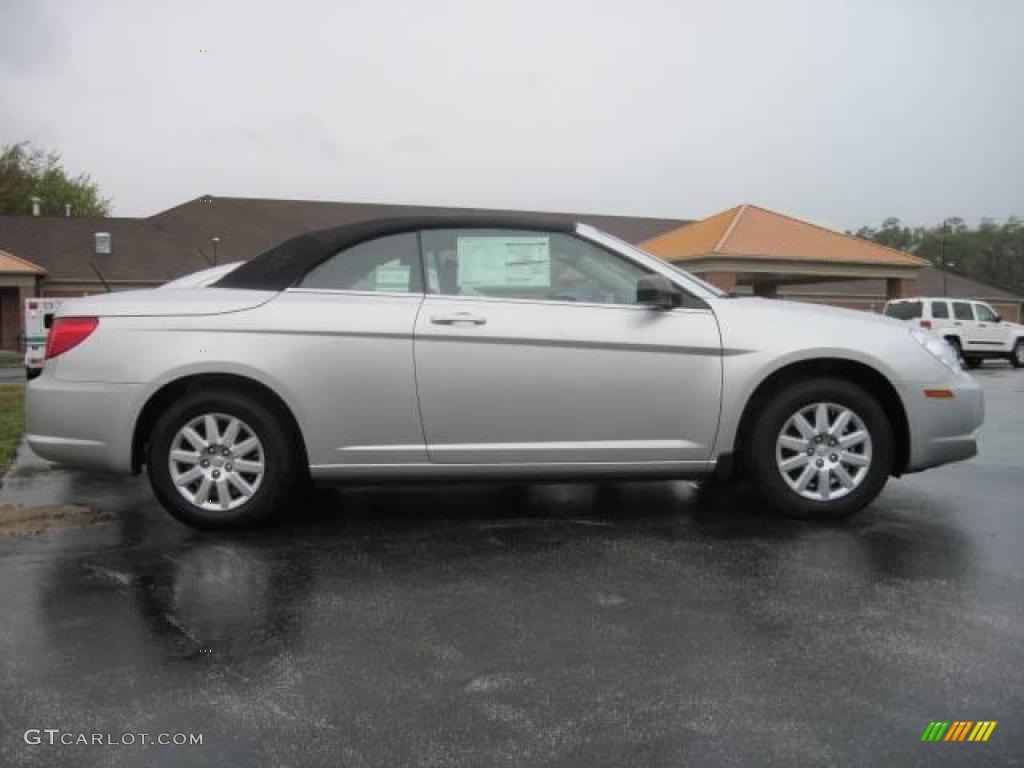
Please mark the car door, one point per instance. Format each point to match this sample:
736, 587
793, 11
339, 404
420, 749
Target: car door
530, 348
348, 326
964, 323
991, 334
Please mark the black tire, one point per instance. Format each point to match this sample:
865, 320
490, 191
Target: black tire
1017, 355
972, 362
760, 448
281, 470
955, 343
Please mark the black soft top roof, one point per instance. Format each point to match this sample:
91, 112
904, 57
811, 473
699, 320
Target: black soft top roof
285, 264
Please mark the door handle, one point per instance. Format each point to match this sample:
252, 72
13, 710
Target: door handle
458, 317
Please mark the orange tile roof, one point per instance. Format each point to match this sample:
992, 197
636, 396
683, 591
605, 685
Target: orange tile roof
748, 231
12, 265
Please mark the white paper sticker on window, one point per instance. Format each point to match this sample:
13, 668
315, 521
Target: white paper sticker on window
392, 277
504, 261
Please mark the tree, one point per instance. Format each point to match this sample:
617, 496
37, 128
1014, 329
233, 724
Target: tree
27, 172
992, 253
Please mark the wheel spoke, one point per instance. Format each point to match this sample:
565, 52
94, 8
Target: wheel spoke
841, 423
244, 447
249, 467
185, 478
852, 439
805, 477
824, 484
803, 426
231, 433
194, 437
855, 459
240, 485
844, 477
794, 462
185, 457
821, 419
794, 443
223, 495
203, 491
210, 423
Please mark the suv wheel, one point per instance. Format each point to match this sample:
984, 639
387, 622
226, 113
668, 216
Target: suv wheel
220, 459
972, 362
1017, 356
820, 449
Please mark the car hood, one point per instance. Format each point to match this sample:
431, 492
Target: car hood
165, 301
812, 312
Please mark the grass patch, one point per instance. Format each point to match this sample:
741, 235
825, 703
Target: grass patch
11, 359
12, 420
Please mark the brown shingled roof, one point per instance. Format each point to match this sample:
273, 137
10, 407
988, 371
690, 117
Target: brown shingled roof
749, 231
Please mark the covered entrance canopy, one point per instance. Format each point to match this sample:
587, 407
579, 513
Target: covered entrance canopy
17, 283
763, 250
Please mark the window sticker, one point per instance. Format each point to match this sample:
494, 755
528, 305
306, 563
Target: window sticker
392, 277
504, 261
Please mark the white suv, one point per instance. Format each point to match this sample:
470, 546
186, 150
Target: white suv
973, 327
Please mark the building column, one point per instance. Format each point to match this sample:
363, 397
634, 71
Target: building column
899, 287
724, 280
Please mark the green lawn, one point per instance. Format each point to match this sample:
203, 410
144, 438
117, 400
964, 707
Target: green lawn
12, 420
11, 359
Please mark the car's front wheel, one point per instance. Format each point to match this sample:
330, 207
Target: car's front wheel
822, 448
220, 459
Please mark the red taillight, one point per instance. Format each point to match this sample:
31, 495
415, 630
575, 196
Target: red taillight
926, 323
68, 332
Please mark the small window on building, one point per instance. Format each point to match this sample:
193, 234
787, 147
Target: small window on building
962, 310
903, 310
940, 310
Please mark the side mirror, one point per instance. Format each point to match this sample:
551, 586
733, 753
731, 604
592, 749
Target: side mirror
658, 292
998, 319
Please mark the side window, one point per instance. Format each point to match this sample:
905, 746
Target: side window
962, 310
520, 264
940, 310
984, 313
388, 264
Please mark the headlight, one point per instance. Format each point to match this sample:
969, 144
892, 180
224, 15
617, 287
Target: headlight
939, 348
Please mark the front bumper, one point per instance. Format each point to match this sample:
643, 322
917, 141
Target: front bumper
82, 424
944, 430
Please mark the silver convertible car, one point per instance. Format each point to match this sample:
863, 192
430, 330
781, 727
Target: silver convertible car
487, 349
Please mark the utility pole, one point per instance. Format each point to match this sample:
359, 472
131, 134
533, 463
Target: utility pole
942, 259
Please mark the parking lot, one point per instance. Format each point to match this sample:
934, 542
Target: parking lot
635, 624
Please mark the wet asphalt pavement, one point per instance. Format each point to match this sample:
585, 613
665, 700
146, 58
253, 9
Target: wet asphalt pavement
565, 625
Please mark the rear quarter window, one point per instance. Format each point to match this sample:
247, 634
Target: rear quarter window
940, 310
904, 310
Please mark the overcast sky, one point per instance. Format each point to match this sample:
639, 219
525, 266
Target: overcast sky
839, 112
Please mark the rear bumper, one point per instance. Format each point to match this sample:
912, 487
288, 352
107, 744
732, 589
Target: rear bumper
944, 430
81, 424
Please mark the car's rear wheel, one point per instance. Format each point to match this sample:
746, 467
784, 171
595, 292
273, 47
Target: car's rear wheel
1017, 356
820, 449
221, 459
972, 362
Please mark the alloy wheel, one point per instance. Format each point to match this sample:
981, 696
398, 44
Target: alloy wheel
216, 461
823, 451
